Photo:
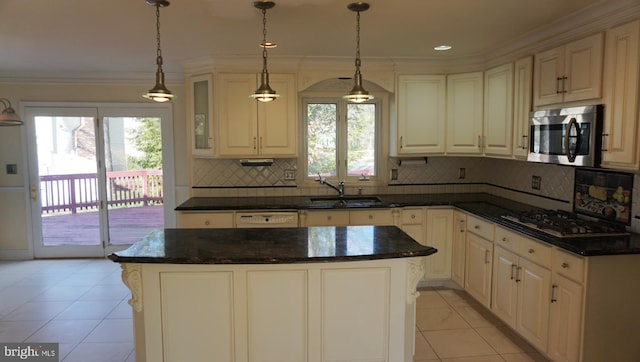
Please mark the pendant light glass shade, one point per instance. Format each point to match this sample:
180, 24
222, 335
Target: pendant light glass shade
159, 92
9, 117
358, 94
264, 93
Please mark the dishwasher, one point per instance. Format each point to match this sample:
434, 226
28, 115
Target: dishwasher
278, 219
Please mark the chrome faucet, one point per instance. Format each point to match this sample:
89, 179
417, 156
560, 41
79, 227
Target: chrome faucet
339, 188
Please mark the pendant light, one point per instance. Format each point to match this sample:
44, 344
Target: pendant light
159, 92
9, 117
264, 93
358, 94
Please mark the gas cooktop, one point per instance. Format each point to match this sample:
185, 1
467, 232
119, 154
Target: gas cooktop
564, 224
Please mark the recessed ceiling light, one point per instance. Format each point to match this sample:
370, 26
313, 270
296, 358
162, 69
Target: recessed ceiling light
442, 47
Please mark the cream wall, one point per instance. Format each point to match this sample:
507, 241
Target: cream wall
14, 209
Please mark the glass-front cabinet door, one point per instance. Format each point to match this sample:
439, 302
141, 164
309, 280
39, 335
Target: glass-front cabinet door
201, 109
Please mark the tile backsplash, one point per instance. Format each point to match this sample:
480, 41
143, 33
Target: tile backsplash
502, 177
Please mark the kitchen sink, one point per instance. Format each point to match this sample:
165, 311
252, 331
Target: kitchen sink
345, 201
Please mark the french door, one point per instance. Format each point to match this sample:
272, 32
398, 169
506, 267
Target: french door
98, 176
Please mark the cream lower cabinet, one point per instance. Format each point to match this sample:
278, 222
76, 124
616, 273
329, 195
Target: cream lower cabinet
479, 259
339, 312
439, 230
565, 320
458, 247
324, 218
520, 287
200, 220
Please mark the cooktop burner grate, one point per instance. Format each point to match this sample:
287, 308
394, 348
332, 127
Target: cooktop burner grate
564, 224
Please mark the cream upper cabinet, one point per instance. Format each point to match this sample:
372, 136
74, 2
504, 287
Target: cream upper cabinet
498, 110
621, 130
248, 128
464, 113
200, 95
421, 111
522, 91
569, 73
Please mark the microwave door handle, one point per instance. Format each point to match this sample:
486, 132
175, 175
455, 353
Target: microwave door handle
567, 150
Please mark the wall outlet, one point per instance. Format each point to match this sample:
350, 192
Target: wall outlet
289, 175
536, 181
394, 174
462, 173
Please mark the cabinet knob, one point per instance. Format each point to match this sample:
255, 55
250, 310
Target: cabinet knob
207, 222
531, 251
504, 238
413, 216
476, 227
370, 217
329, 217
564, 265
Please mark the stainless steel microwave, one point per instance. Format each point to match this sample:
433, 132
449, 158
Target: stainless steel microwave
566, 136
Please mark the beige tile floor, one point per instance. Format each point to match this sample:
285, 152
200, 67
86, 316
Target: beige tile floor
451, 326
82, 304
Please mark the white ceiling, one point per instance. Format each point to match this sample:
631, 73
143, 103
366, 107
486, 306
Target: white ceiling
60, 38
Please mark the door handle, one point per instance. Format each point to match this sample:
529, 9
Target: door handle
571, 155
34, 193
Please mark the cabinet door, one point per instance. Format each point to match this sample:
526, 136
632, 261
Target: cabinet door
464, 113
458, 248
277, 127
237, 114
583, 69
421, 114
498, 110
478, 270
205, 220
548, 76
534, 295
381, 217
505, 285
621, 126
565, 320
522, 91
327, 218
440, 236
200, 114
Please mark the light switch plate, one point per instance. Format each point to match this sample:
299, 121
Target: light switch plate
536, 182
289, 175
12, 169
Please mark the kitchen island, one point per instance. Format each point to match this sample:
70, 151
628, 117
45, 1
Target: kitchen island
291, 294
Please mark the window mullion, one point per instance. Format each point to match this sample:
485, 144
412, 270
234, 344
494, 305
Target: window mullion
342, 140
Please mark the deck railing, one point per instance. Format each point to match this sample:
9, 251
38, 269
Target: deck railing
79, 192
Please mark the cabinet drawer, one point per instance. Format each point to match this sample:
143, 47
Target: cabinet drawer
412, 216
535, 251
508, 239
204, 220
569, 265
327, 218
480, 227
371, 217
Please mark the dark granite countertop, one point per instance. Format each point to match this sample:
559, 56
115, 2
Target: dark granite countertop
272, 246
480, 204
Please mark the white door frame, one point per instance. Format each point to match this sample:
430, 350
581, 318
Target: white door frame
100, 110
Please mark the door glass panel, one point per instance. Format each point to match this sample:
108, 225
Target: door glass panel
133, 163
68, 180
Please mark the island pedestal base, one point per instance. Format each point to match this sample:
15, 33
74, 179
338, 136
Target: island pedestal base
313, 312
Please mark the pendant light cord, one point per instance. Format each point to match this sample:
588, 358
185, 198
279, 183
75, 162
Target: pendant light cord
264, 40
357, 42
158, 51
